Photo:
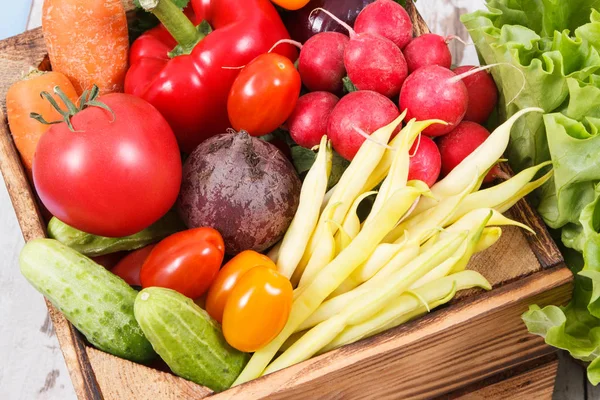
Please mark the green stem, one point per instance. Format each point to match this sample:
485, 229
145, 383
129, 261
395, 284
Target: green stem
176, 22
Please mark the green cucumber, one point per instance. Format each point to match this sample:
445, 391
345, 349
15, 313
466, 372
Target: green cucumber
93, 246
187, 338
97, 302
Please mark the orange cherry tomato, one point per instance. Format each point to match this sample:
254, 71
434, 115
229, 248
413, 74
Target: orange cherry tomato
257, 309
227, 278
264, 94
130, 266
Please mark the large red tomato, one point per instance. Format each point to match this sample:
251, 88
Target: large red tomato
114, 175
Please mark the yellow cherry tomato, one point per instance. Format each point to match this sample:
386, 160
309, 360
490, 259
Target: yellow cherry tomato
227, 278
257, 309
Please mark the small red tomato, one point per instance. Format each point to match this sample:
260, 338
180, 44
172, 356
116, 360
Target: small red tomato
186, 261
257, 309
227, 278
130, 266
264, 94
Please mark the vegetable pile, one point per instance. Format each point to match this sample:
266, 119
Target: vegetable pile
243, 197
553, 49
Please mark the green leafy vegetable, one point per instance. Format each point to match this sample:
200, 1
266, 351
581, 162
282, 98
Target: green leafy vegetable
549, 55
303, 159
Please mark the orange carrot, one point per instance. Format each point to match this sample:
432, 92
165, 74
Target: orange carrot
88, 42
24, 98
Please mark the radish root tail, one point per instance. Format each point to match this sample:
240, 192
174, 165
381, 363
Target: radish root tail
351, 31
368, 137
286, 41
485, 67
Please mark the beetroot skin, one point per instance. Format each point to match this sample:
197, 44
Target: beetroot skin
321, 62
243, 187
365, 110
388, 19
308, 122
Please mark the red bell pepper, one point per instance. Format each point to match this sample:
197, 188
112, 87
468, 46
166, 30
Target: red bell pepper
191, 89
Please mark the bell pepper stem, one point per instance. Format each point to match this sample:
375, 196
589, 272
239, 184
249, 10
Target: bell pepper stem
176, 22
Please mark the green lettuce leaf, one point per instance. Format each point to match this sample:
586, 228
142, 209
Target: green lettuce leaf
576, 327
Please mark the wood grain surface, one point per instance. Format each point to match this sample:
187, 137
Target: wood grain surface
17, 59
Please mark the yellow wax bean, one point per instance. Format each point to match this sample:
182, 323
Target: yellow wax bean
509, 190
382, 169
408, 306
352, 181
489, 237
422, 226
365, 305
305, 221
330, 277
486, 155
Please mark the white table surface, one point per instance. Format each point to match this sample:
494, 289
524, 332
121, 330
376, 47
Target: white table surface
31, 364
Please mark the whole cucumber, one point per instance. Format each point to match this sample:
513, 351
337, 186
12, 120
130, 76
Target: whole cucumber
187, 338
93, 246
97, 302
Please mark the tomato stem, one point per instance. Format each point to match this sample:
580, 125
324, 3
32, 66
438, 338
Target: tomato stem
88, 98
176, 22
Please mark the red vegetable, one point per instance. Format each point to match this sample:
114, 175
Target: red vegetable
428, 49
186, 261
115, 173
386, 18
308, 122
425, 161
191, 90
363, 110
483, 94
264, 94
129, 267
321, 62
434, 92
462, 141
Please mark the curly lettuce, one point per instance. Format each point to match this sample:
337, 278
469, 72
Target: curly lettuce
548, 53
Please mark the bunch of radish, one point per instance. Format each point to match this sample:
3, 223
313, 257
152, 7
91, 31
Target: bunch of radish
390, 72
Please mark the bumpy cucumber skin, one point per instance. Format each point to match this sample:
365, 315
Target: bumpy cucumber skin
97, 302
188, 339
93, 246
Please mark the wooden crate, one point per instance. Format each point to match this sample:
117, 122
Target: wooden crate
475, 348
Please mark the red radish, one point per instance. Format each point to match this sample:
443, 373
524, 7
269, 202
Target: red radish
372, 61
321, 62
483, 94
364, 111
427, 49
388, 19
426, 162
308, 122
462, 141
434, 92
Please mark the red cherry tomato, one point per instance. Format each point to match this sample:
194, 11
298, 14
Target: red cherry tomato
264, 94
116, 174
130, 266
227, 278
257, 309
186, 261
